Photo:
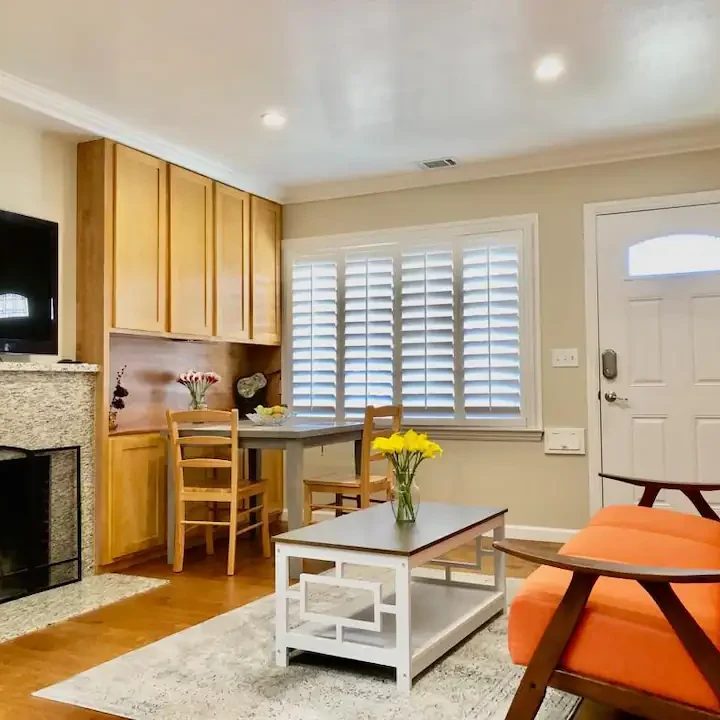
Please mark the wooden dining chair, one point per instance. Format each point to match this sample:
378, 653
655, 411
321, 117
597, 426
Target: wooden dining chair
359, 488
214, 488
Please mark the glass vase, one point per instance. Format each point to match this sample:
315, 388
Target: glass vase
197, 401
405, 498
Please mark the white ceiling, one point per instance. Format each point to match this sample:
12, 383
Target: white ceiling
369, 86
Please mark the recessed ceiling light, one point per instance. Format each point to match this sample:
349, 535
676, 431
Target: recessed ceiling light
549, 68
273, 119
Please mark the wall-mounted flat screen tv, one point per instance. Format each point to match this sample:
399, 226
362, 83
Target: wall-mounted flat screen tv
28, 285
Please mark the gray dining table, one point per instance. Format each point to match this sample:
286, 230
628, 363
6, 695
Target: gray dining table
293, 438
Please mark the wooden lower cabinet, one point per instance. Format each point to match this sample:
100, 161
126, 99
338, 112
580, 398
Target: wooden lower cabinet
273, 471
136, 498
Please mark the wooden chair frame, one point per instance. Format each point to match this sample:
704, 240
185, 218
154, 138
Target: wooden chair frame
544, 669
362, 497
214, 496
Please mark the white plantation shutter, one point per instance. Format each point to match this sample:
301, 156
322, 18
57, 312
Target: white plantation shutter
491, 331
368, 315
427, 353
436, 321
314, 315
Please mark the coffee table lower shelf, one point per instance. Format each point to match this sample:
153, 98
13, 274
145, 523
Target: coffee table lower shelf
441, 615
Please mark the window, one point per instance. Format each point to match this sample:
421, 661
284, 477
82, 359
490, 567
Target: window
674, 255
439, 319
13, 306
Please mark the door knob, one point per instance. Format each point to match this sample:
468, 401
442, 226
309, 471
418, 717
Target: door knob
612, 396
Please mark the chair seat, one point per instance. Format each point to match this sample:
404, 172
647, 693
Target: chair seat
623, 637
344, 481
245, 490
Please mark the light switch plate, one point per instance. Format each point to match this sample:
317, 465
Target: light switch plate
564, 441
565, 357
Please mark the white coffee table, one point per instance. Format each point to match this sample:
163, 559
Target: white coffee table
422, 618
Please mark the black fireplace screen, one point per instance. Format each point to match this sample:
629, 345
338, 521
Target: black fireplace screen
40, 533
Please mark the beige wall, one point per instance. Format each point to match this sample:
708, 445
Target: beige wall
539, 490
38, 178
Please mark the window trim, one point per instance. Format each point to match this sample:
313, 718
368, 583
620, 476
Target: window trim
529, 293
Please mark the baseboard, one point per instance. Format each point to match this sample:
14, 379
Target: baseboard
513, 532
539, 533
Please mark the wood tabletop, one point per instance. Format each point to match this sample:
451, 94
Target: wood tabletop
291, 430
375, 529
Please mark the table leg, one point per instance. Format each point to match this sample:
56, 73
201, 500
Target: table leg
358, 457
403, 624
254, 474
170, 506
281, 606
499, 564
294, 494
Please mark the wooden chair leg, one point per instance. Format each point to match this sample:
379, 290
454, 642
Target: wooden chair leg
232, 539
179, 537
531, 692
363, 500
209, 536
307, 505
265, 515
339, 504
358, 501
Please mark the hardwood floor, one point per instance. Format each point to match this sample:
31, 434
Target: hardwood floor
201, 592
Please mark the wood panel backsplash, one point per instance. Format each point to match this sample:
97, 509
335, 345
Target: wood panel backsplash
154, 363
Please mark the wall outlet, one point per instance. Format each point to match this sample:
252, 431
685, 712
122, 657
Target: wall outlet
565, 357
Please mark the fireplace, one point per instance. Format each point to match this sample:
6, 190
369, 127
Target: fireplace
40, 530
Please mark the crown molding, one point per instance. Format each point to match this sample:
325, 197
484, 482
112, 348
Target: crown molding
101, 124
651, 144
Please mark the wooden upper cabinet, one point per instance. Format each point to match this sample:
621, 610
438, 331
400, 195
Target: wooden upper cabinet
137, 495
232, 263
266, 234
139, 242
191, 253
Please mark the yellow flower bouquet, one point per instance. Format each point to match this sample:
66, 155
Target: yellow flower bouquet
406, 451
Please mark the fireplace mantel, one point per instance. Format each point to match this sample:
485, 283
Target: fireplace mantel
48, 367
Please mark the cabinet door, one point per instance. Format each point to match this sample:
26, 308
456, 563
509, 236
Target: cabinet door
265, 221
232, 263
191, 253
273, 469
137, 494
140, 242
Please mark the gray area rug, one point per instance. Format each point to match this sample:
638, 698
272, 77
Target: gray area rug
223, 669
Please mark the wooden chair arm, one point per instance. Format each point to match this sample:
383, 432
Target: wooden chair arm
598, 568
692, 491
662, 484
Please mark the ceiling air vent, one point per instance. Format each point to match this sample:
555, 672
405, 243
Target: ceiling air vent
440, 163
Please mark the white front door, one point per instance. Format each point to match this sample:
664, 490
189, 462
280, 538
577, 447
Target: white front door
659, 311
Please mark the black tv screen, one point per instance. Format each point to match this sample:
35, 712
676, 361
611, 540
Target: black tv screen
28, 284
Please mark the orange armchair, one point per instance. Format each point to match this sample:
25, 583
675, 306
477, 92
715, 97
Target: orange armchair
626, 613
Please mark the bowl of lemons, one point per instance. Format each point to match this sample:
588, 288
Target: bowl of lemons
275, 415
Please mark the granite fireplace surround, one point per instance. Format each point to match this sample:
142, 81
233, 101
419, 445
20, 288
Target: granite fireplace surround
46, 406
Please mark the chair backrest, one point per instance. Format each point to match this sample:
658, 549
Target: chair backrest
228, 418
372, 431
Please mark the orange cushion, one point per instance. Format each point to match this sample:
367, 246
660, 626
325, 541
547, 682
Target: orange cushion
623, 637
657, 520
